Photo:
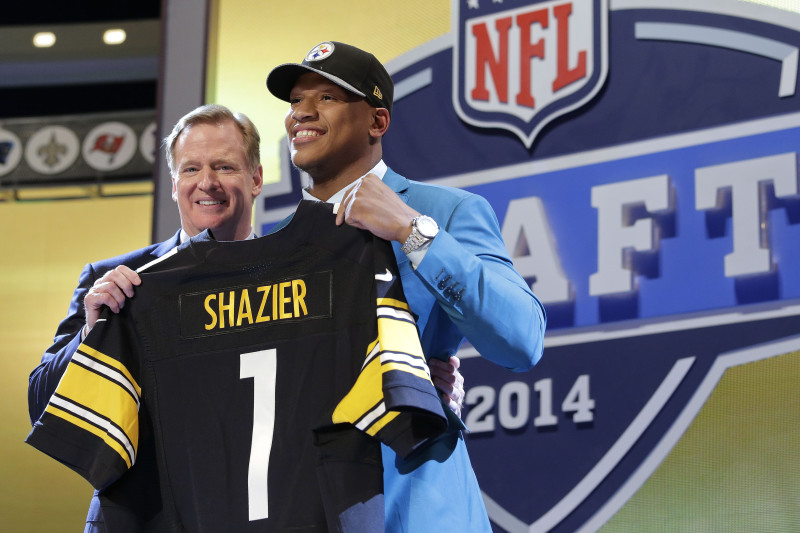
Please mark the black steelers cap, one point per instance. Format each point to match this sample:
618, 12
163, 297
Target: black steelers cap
347, 66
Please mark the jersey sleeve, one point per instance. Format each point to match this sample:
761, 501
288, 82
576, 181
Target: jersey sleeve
91, 423
393, 398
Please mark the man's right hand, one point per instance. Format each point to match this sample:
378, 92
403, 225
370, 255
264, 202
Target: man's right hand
110, 290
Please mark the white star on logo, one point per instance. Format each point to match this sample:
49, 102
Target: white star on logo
473, 4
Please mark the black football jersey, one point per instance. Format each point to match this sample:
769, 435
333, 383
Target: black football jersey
247, 386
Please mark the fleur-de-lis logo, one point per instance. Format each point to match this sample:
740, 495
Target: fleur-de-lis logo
51, 152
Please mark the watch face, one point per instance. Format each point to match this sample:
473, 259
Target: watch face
427, 227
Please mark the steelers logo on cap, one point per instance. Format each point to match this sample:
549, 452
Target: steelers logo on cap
319, 52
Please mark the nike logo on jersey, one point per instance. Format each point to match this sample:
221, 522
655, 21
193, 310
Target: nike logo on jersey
387, 276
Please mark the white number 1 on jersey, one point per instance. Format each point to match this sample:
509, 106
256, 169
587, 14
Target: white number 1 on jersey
261, 366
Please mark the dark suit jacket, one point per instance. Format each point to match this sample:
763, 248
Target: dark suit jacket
45, 377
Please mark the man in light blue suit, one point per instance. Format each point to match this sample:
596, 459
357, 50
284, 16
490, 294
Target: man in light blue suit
455, 269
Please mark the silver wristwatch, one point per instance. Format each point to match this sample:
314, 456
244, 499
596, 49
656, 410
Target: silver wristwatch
423, 229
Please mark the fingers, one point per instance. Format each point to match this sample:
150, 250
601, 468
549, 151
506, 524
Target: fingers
111, 290
458, 393
125, 278
447, 371
449, 381
344, 206
443, 373
372, 205
354, 206
340, 214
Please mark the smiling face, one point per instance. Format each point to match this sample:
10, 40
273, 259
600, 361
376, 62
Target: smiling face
334, 135
213, 184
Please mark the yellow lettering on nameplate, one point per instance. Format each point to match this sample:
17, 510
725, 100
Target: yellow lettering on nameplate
229, 309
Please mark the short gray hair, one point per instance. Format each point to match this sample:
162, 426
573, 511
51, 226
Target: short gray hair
216, 114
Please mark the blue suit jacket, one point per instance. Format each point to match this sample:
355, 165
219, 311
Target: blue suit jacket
467, 284
45, 377
465, 287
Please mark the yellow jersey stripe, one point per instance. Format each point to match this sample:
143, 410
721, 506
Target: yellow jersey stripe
381, 422
399, 336
110, 373
366, 393
393, 303
104, 396
103, 358
91, 428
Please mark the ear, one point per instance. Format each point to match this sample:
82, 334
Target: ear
174, 189
258, 181
380, 122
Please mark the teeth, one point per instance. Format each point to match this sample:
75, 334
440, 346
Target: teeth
307, 133
209, 202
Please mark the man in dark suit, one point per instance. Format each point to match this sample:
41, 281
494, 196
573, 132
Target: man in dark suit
455, 269
214, 183
214, 159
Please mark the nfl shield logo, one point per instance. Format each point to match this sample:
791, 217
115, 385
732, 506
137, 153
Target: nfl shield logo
519, 64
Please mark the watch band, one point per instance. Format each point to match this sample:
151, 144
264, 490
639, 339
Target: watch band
417, 238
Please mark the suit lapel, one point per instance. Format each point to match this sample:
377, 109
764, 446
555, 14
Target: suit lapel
167, 245
397, 183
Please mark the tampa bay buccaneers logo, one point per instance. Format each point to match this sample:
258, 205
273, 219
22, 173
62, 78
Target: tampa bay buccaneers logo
109, 146
517, 65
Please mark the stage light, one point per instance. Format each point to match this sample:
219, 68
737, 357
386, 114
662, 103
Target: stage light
44, 39
114, 36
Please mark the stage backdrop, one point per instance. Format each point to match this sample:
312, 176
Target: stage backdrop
646, 182
641, 156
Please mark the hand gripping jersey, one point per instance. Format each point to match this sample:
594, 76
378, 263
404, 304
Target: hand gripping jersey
247, 386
